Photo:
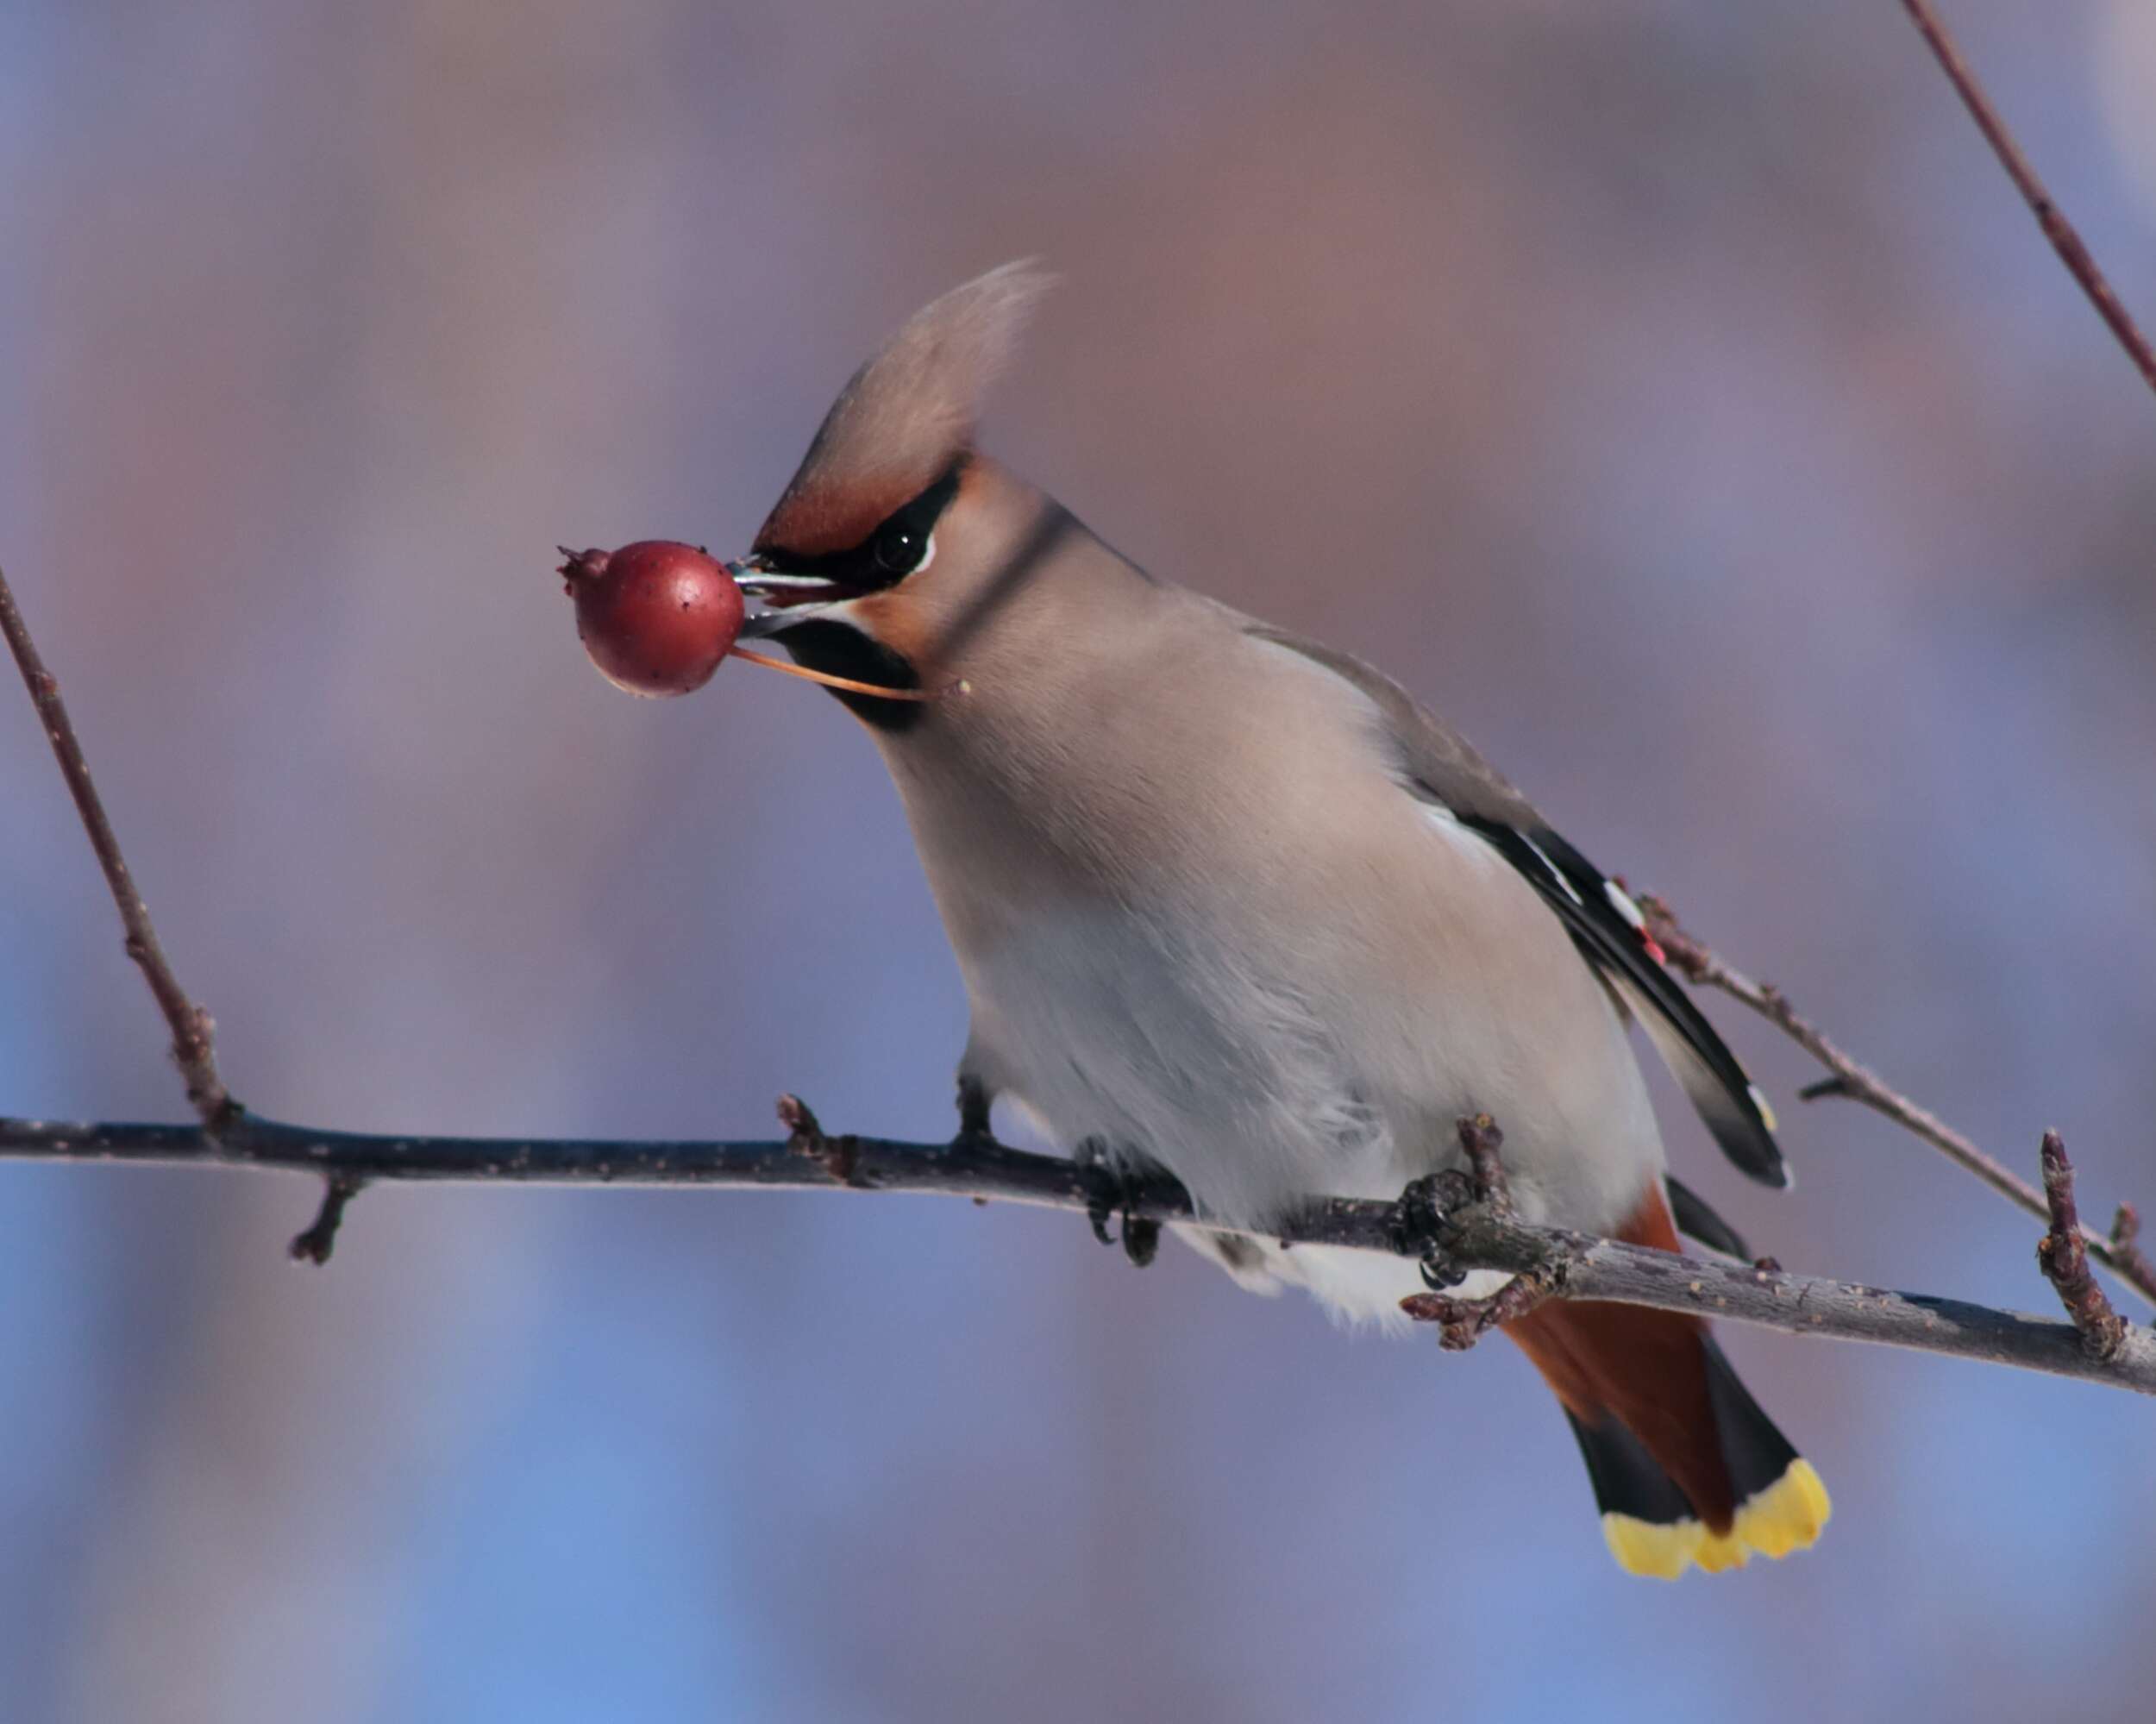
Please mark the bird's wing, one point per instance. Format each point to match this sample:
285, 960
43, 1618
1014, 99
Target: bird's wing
1440, 767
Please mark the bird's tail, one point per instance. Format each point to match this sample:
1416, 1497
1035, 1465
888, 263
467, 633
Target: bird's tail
1686, 1467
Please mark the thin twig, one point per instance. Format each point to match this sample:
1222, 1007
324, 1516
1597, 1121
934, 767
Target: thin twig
2052, 219
191, 1024
315, 1245
2125, 1243
2065, 1258
1463, 1322
1479, 1143
1701, 965
1572, 1265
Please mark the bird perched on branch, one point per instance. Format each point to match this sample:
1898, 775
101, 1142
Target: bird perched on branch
1230, 902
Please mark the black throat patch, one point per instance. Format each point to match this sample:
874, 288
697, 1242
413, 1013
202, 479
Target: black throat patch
838, 650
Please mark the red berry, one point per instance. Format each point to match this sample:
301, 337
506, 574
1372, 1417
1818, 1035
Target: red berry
657, 617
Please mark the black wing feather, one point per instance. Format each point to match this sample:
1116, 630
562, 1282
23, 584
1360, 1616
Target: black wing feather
1696, 1220
1702, 1062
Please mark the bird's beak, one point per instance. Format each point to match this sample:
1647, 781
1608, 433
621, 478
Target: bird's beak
784, 597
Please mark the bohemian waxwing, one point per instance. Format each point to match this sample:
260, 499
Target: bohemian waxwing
1230, 902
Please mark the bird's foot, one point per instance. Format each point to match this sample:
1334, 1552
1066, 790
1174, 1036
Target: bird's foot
1421, 1225
1420, 1229
1418, 1223
1110, 1189
973, 1101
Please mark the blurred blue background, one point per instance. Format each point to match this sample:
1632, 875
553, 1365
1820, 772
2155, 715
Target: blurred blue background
1674, 393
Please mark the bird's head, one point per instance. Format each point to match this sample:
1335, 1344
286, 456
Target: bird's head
897, 540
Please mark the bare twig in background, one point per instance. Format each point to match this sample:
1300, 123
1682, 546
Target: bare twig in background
190, 1023
2125, 1243
2052, 219
1701, 965
2065, 1258
1469, 1236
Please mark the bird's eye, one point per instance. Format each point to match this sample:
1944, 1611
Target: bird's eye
899, 547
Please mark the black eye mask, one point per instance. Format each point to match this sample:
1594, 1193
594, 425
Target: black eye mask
886, 557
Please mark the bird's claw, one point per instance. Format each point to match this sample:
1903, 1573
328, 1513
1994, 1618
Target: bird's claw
1141, 1240
1109, 1192
1418, 1225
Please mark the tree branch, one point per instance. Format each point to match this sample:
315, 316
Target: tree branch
2063, 1257
1451, 1223
2050, 217
189, 1024
1470, 1235
1699, 964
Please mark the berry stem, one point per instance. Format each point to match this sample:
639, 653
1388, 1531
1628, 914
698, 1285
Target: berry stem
828, 681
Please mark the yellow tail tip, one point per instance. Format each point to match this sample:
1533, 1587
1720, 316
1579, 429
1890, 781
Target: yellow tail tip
1787, 1515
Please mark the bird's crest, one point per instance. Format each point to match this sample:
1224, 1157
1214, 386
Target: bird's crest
906, 416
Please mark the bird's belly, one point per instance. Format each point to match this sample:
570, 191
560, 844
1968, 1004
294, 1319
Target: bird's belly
1263, 1057
1225, 1082
1205, 1059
